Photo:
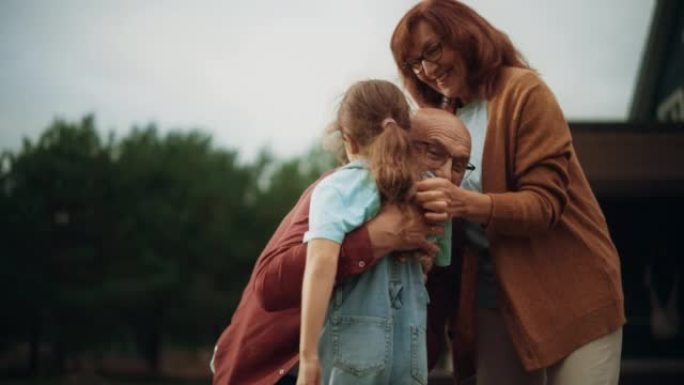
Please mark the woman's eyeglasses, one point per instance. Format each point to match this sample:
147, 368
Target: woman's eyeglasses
432, 53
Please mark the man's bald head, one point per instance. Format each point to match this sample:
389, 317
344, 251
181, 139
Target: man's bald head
440, 128
433, 124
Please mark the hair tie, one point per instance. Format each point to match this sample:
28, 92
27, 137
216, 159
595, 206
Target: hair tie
387, 121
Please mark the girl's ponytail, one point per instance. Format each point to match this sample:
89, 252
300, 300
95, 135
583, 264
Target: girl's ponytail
375, 114
389, 158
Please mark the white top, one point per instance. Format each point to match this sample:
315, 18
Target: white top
474, 116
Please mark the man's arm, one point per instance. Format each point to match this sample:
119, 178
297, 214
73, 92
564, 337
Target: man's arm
278, 279
279, 270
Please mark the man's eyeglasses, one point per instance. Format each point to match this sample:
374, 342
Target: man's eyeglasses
432, 53
436, 155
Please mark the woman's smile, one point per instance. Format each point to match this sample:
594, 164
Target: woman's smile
442, 80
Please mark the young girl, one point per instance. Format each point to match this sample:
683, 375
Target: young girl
371, 328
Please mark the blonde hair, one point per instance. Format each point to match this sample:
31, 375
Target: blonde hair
375, 114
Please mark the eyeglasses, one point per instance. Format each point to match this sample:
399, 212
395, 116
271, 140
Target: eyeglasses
436, 155
432, 53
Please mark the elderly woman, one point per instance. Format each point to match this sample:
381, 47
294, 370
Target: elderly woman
541, 296
260, 345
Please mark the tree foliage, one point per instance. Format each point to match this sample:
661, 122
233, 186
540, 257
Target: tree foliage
135, 242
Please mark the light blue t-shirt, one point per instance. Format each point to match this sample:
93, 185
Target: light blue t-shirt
341, 202
346, 199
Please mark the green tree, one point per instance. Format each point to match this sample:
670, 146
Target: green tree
180, 229
55, 190
143, 241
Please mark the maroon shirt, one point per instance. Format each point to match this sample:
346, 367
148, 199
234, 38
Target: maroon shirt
261, 344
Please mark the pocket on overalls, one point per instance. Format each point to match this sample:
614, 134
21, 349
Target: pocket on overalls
419, 369
361, 344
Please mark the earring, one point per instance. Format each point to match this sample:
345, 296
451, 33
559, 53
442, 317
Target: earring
446, 103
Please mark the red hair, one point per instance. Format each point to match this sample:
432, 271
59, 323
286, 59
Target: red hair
485, 49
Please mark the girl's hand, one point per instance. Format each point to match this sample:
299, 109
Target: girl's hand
309, 371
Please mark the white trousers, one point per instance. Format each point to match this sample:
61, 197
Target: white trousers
596, 363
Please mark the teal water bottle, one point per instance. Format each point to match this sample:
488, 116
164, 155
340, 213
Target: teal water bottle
443, 257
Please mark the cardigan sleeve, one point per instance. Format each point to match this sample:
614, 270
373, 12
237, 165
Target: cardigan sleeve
279, 272
541, 147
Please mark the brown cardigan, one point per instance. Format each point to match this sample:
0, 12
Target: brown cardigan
557, 268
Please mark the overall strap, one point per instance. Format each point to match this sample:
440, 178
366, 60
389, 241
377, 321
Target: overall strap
396, 286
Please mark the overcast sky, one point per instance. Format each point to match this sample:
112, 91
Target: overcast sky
270, 72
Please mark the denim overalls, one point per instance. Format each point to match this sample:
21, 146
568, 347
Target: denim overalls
374, 332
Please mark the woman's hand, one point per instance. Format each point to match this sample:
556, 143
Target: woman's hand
439, 198
309, 371
443, 200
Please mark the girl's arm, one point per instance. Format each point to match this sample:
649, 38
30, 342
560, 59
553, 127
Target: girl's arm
279, 271
319, 276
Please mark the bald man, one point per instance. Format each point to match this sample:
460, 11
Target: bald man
260, 345
442, 143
